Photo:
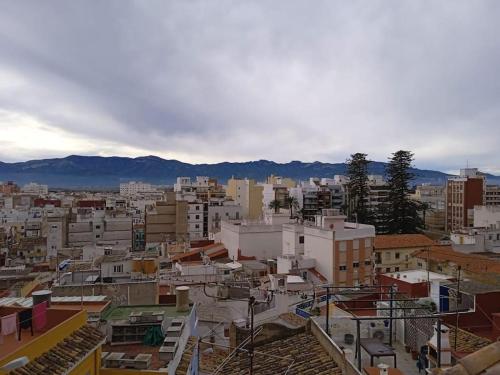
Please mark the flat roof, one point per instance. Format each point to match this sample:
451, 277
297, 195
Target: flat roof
123, 312
417, 276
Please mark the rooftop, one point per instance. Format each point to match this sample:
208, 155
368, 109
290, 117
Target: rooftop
401, 241
417, 276
65, 355
474, 287
123, 312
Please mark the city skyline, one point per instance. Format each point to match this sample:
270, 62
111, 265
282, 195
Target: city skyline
206, 82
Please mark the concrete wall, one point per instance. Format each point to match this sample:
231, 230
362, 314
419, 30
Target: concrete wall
133, 293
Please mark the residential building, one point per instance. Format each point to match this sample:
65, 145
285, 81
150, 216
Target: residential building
9, 187
434, 197
487, 217
492, 195
274, 192
393, 252
35, 189
462, 194
342, 250
134, 188
95, 228
278, 180
167, 221
247, 194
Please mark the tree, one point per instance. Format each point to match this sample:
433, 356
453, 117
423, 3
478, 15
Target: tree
358, 189
401, 212
275, 205
293, 204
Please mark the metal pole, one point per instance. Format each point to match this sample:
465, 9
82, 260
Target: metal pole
358, 342
391, 308
328, 311
459, 301
439, 343
251, 303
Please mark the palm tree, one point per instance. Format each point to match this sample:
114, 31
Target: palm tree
275, 205
293, 204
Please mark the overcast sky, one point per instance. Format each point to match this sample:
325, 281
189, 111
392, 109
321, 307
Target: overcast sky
210, 81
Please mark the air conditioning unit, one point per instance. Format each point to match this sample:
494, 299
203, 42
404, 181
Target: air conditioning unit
380, 331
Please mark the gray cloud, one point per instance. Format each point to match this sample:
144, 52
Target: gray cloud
229, 80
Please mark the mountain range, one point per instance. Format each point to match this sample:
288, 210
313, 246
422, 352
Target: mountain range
107, 172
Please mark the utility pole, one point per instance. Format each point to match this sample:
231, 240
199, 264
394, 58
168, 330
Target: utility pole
459, 301
391, 307
251, 304
328, 311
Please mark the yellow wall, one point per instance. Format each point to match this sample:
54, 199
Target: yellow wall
48, 340
255, 200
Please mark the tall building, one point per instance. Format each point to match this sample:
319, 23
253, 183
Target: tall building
133, 188
435, 199
492, 195
462, 194
247, 194
167, 221
35, 189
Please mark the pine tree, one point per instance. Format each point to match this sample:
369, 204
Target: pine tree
401, 213
358, 189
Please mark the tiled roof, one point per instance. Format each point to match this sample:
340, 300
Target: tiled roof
466, 342
484, 361
300, 354
65, 355
470, 262
401, 241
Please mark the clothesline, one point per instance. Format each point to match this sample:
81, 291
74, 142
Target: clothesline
28, 308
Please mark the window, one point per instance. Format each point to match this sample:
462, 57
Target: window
397, 255
368, 262
97, 236
355, 265
368, 242
197, 208
237, 215
97, 227
387, 255
301, 239
396, 269
342, 246
355, 244
197, 226
118, 268
419, 264
197, 216
342, 268
388, 269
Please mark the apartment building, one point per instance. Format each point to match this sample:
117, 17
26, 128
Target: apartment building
462, 194
132, 188
167, 221
91, 227
272, 192
492, 195
9, 187
434, 196
393, 252
247, 194
35, 189
342, 250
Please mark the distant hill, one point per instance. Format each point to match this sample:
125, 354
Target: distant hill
94, 171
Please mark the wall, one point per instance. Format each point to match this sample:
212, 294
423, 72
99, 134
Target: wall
133, 293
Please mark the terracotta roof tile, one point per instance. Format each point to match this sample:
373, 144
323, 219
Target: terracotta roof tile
401, 241
63, 356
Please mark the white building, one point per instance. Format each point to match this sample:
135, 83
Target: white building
133, 188
35, 189
101, 230
343, 251
260, 240
487, 217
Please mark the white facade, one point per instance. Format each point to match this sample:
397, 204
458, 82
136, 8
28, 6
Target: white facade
195, 221
293, 239
217, 213
101, 230
35, 189
259, 240
133, 188
487, 217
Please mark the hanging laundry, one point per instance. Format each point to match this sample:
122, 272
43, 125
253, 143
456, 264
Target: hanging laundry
40, 316
9, 325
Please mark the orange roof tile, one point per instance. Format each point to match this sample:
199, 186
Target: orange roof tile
471, 262
401, 241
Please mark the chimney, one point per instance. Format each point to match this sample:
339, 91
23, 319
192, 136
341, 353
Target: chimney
384, 369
